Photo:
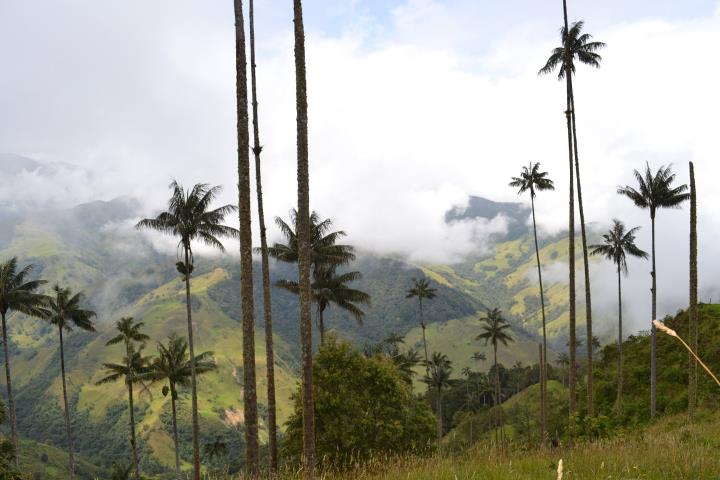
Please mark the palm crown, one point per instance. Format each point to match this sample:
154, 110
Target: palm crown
617, 244
576, 45
189, 217
133, 366
17, 293
173, 364
129, 332
655, 191
440, 369
65, 310
532, 179
421, 289
495, 328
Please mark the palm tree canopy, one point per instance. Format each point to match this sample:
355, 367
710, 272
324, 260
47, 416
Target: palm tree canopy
129, 332
656, 190
495, 328
618, 244
190, 218
324, 249
173, 364
421, 289
214, 449
18, 294
440, 369
65, 310
132, 368
532, 179
575, 46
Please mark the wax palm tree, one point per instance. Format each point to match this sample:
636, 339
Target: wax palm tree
215, 449
693, 309
129, 334
421, 289
304, 242
133, 366
17, 294
190, 218
575, 47
173, 368
331, 288
252, 452
564, 362
265, 265
617, 244
532, 180
495, 330
406, 363
655, 191
440, 368
66, 313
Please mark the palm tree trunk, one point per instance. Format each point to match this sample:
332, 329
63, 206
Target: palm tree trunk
68, 431
497, 392
543, 370
304, 244
620, 346
571, 240
422, 325
653, 356
175, 433
542, 393
11, 398
133, 442
586, 263
193, 382
252, 457
693, 310
267, 298
439, 417
321, 324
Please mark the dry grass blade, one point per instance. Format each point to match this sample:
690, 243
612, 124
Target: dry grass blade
560, 470
662, 327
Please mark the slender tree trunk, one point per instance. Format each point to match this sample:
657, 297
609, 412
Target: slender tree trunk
586, 263
304, 243
321, 324
252, 457
541, 379
68, 428
193, 382
267, 298
620, 347
439, 418
571, 240
175, 433
133, 441
653, 346
422, 324
543, 368
497, 392
11, 398
693, 310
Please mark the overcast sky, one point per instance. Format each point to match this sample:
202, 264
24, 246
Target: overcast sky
414, 105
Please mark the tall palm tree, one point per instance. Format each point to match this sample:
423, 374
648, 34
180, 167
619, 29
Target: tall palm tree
17, 294
265, 265
190, 218
252, 448
576, 46
173, 365
533, 180
440, 368
617, 245
495, 330
129, 334
331, 288
304, 243
133, 365
65, 313
655, 191
422, 289
693, 310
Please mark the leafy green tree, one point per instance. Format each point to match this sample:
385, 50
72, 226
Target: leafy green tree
8, 457
18, 294
532, 180
495, 330
190, 218
331, 288
363, 408
173, 368
617, 244
440, 368
655, 191
134, 364
421, 289
65, 313
576, 47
